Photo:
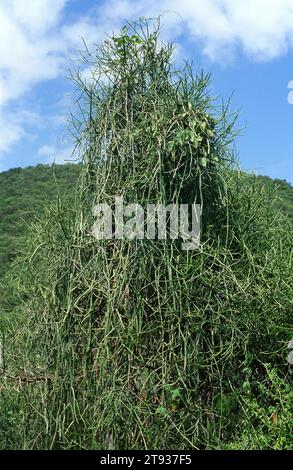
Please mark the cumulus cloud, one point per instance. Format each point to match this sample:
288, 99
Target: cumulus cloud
12, 126
262, 29
11, 132
29, 53
29, 50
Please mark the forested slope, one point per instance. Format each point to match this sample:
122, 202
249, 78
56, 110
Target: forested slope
23, 194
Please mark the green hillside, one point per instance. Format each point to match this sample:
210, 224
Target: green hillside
23, 194
285, 192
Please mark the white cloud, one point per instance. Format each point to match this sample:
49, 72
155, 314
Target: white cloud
36, 16
52, 154
12, 126
263, 29
30, 49
11, 132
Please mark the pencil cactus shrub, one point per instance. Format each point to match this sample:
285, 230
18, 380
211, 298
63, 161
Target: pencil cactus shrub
146, 345
144, 115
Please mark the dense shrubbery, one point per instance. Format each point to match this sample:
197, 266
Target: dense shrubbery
138, 344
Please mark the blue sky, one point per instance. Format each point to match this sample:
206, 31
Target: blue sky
247, 45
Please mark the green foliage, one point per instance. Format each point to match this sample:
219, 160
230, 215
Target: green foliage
267, 413
285, 194
23, 194
137, 344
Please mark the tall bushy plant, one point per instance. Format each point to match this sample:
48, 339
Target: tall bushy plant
143, 345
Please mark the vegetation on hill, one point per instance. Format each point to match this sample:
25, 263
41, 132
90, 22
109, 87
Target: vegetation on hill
138, 344
24, 192
284, 194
